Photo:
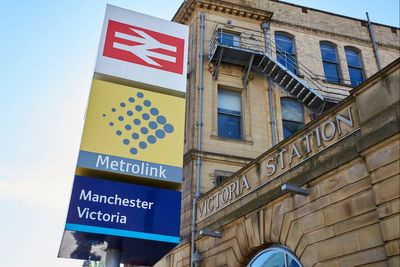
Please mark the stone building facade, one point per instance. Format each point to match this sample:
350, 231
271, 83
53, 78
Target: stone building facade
240, 147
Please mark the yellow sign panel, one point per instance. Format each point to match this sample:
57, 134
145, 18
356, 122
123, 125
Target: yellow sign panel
133, 131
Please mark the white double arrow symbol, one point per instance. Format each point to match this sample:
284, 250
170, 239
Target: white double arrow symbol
143, 50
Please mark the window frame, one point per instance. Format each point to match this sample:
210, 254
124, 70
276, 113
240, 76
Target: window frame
279, 248
226, 112
330, 62
360, 68
292, 54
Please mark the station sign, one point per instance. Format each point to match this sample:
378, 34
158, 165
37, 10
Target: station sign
143, 49
103, 208
133, 135
133, 132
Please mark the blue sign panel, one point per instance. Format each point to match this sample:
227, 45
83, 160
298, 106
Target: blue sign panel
140, 217
122, 209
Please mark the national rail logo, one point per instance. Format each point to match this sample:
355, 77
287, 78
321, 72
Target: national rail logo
144, 47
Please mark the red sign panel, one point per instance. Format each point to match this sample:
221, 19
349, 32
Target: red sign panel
144, 47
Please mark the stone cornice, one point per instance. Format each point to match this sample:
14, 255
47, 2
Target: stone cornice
187, 9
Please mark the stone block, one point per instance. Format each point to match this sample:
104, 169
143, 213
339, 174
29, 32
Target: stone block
390, 227
370, 236
387, 190
394, 261
350, 189
338, 212
385, 172
364, 257
351, 224
313, 237
392, 247
389, 208
383, 154
345, 176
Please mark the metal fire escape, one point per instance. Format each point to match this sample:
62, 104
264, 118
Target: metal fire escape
256, 52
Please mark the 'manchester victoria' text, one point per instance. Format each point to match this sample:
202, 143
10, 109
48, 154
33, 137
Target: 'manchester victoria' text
86, 213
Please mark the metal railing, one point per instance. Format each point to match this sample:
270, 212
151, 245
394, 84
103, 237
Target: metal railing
256, 42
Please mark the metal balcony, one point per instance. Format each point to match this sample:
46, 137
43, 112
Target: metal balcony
258, 53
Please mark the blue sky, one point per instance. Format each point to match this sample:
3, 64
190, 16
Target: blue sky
47, 55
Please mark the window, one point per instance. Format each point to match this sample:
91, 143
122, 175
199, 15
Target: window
353, 57
227, 38
275, 257
221, 176
330, 62
285, 51
229, 114
292, 116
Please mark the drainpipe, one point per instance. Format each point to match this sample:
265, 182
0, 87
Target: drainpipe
199, 142
374, 44
265, 28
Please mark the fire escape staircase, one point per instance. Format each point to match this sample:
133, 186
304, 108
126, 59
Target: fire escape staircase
251, 52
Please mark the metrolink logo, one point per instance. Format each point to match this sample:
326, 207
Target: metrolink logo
137, 123
144, 47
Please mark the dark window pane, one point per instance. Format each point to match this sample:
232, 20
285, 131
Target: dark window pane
290, 127
292, 262
229, 126
285, 52
287, 60
284, 42
328, 53
353, 58
331, 72
292, 110
356, 76
292, 116
228, 39
270, 258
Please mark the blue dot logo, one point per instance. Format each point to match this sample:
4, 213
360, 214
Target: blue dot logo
146, 116
142, 145
168, 128
151, 139
147, 103
135, 136
153, 125
161, 119
154, 111
160, 134
142, 130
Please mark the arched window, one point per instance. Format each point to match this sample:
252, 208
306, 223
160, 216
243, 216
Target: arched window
285, 51
275, 257
331, 62
356, 71
292, 116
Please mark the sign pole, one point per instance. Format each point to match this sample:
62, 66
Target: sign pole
113, 257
